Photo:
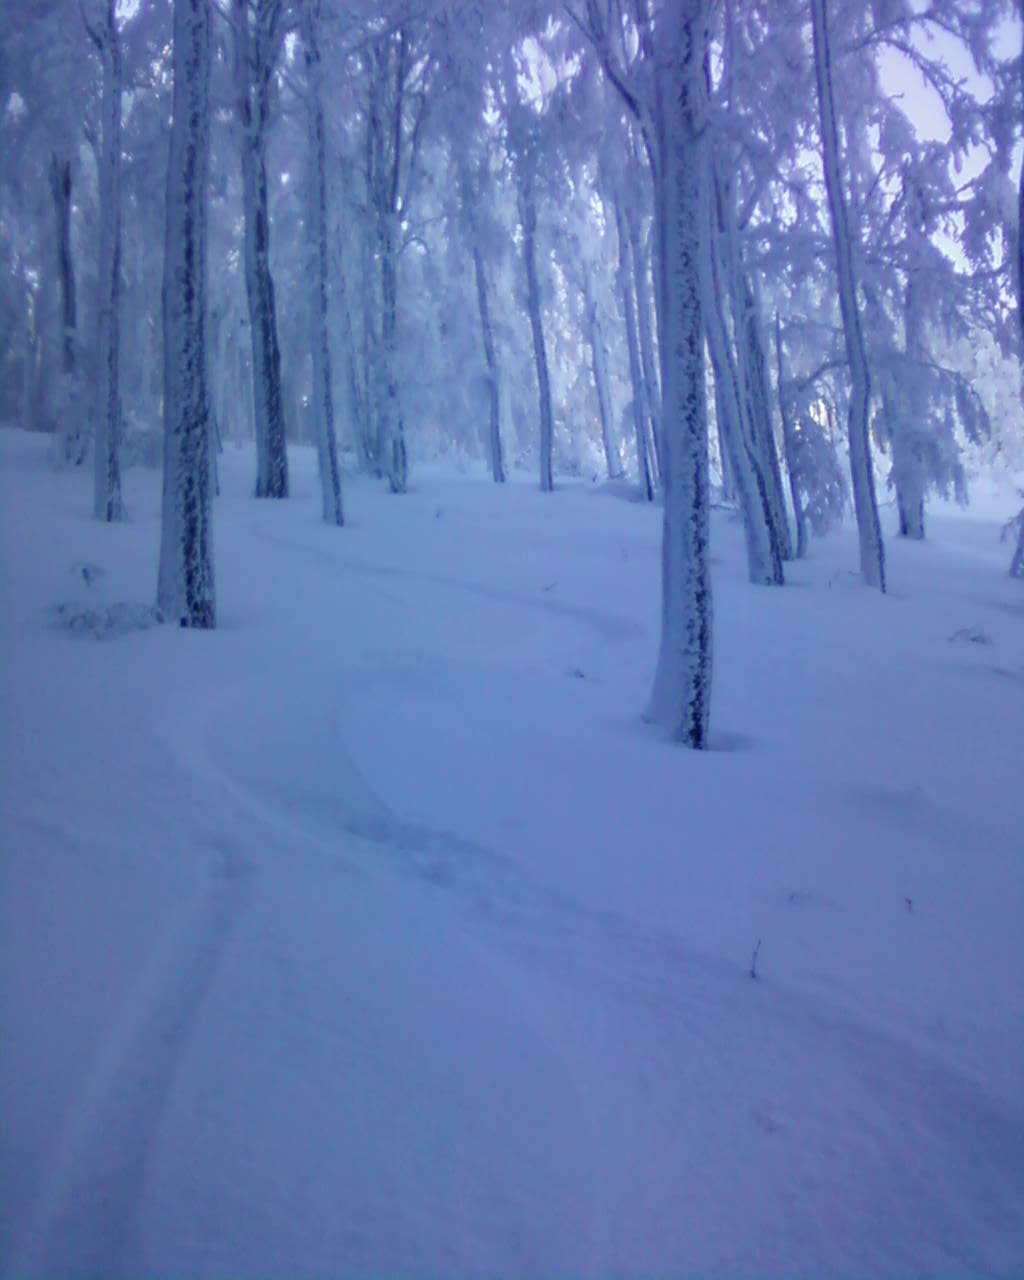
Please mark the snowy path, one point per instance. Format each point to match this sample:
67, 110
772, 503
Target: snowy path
269, 1016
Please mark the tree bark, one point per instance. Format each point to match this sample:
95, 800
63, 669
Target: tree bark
1017, 563
316, 231
764, 559
908, 471
528, 217
751, 345
107, 500
625, 282
595, 340
252, 85
185, 587
491, 358
789, 443
652, 391
681, 696
872, 550
70, 442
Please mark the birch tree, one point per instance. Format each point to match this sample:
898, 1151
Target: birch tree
185, 587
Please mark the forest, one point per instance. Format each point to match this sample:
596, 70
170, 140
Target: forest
516, 228
512, 545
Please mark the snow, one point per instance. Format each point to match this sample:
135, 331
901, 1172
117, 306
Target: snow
374, 933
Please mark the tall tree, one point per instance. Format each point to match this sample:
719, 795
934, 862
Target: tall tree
1017, 563
258, 32
872, 551
316, 232
525, 163
107, 501
70, 437
185, 587
663, 87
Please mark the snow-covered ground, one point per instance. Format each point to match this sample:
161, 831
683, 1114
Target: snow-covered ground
374, 933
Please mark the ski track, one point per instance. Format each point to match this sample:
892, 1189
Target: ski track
609, 626
84, 1215
930, 1143
915, 1116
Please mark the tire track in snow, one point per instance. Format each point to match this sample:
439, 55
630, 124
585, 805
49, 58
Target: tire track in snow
84, 1215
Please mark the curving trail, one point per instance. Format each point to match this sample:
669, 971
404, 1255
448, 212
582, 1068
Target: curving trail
356, 1035
82, 1220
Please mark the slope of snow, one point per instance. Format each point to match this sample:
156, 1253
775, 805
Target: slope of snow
374, 933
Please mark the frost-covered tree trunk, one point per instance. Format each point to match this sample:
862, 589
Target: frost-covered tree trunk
652, 391
493, 373
392, 425
751, 411
528, 218
1017, 563
872, 550
681, 697
70, 441
252, 89
908, 472
316, 231
789, 444
185, 591
728, 484
764, 559
750, 341
625, 282
107, 501
595, 339
391, 150
357, 408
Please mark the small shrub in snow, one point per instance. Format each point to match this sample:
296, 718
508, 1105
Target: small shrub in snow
102, 622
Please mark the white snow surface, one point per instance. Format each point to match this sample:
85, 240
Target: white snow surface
375, 934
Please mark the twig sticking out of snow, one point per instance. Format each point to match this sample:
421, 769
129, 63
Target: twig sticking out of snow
753, 959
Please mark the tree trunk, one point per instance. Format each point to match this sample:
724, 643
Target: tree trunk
357, 407
908, 469
70, 442
681, 696
107, 501
872, 550
652, 392
1017, 563
751, 345
491, 357
764, 559
392, 431
528, 215
185, 589
747, 365
596, 341
251, 90
789, 443
316, 231
625, 281
728, 484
